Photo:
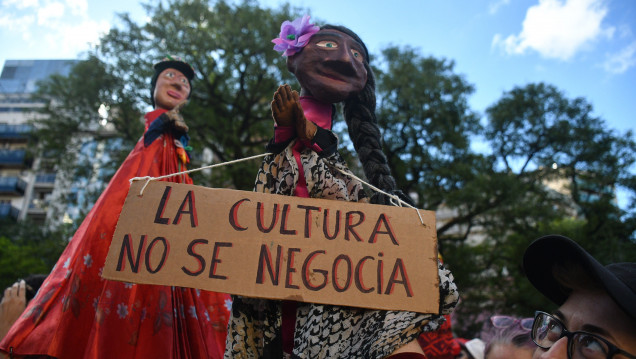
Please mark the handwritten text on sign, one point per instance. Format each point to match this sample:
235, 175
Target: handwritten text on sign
277, 247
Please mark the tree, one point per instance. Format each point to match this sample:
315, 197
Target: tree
548, 138
236, 74
562, 167
427, 126
491, 204
28, 249
72, 130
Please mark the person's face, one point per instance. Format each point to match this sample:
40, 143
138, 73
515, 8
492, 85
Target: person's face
331, 66
596, 313
171, 89
506, 351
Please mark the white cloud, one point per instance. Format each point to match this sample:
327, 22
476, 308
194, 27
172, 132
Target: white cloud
18, 24
60, 26
624, 31
493, 7
78, 7
73, 38
49, 13
20, 4
621, 61
558, 29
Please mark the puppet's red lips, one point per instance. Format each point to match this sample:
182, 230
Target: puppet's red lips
174, 94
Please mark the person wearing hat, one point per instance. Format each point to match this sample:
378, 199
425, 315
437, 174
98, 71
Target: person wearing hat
596, 317
79, 314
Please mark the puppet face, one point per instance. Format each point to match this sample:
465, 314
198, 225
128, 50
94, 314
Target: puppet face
171, 89
331, 66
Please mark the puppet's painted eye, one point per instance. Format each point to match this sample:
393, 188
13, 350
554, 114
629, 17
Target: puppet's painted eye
327, 44
357, 55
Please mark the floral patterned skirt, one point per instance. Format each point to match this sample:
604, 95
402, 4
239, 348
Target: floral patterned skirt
325, 331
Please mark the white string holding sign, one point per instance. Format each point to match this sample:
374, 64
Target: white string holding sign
149, 178
394, 199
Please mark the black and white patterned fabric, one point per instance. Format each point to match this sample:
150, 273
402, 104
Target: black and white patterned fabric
324, 331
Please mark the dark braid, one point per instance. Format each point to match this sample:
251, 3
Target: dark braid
359, 114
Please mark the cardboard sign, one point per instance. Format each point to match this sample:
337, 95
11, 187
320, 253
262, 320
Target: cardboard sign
277, 247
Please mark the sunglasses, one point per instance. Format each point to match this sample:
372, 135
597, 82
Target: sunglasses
504, 321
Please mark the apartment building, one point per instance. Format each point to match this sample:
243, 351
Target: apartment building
26, 181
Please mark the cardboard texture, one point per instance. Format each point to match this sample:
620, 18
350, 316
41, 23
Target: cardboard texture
277, 247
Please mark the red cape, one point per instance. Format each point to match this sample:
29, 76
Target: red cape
78, 314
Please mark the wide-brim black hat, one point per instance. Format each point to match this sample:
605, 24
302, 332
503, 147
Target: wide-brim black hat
618, 279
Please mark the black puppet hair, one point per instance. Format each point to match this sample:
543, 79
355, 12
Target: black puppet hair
362, 124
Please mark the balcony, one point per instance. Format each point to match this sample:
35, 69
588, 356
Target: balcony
37, 210
45, 181
14, 132
8, 211
14, 158
12, 185
5, 210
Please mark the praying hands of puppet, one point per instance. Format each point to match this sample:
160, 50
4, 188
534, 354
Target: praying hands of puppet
287, 111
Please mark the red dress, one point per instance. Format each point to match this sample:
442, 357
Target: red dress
78, 314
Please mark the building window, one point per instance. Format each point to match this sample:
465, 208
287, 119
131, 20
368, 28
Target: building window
8, 72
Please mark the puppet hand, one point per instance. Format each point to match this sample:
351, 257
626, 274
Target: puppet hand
175, 120
306, 129
285, 106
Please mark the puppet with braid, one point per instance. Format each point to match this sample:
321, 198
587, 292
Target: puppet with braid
331, 64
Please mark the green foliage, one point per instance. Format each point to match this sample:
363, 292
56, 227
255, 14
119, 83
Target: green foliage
28, 249
72, 109
491, 204
237, 73
72, 130
426, 123
562, 167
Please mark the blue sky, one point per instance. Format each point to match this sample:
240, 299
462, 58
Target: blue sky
586, 48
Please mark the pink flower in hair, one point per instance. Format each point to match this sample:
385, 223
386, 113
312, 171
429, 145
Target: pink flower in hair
294, 35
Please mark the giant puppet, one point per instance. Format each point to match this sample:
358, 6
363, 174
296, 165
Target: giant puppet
77, 313
331, 64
